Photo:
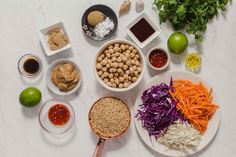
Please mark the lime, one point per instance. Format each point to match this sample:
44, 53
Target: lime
30, 97
177, 43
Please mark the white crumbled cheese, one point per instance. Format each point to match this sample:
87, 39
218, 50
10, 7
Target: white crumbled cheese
180, 136
102, 29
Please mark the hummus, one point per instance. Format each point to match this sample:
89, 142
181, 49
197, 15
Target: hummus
65, 76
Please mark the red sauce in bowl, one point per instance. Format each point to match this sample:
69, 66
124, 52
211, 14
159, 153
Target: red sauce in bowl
158, 58
59, 114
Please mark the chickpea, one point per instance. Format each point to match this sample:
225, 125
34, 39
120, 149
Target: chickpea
106, 52
116, 49
137, 56
134, 79
125, 67
119, 70
115, 65
110, 76
139, 69
120, 65
127, 46
121, 79
100, 73
127, 72
105, 74
117, 81
114, 85
131, 48
108, 66
111, 51
99, 59
131, 69
134, 51
113, 59
102, 55
128, 63
106, 80
99, 66
114, 70
132, 55
104, 62
102, 77
126, 84
123, 47
133, 62
112, 80
109, 61
110, 47
121, 85
136, 73
124, 58
108, 55
126, 77
135, 68
116, 74
104, 69
128, 51
127, 55
117, 54
137, 63
109, 84
119, 59
122, 55
117, 45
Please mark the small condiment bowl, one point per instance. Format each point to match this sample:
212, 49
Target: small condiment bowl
158, 68
145, 16
47, 125
142, 58
54, 88
21, 62
43, 35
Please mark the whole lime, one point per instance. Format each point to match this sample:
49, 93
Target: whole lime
177, 43
30, 97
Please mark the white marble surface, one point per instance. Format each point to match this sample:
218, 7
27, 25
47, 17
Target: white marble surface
20, 133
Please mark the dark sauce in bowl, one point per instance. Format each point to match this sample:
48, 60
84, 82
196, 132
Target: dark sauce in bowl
142, 30
31, 66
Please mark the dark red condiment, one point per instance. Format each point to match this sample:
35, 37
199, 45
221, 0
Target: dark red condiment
158, 58
59, 114
31, 66
142, 30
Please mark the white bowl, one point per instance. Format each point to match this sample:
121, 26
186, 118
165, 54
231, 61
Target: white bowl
149, 39
163, 67
142, 60
54, 88
44, 38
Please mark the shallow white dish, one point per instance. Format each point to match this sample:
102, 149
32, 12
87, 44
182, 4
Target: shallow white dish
50, 84
44, 38
151, 142
149, 39
142, 59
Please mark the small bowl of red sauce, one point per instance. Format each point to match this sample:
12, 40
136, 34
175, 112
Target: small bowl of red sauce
56, 116
158, 59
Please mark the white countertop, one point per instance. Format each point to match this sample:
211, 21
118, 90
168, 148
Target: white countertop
20, 133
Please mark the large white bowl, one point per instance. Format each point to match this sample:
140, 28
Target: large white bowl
142, 58
54, 88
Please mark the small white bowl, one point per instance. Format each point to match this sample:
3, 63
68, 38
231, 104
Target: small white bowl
149, 39
142, 60
54, 88
163, 67
44, 38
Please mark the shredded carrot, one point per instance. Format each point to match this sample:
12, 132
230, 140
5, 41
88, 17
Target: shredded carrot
194, 101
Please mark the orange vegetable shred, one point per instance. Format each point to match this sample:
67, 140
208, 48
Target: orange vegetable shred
194, 101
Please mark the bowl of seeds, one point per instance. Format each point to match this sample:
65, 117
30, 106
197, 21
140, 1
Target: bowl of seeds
119, 65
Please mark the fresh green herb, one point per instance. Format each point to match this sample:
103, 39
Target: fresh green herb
190, 14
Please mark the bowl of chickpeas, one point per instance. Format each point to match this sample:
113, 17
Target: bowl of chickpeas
119, 65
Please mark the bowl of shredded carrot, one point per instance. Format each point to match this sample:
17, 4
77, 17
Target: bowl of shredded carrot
193, 98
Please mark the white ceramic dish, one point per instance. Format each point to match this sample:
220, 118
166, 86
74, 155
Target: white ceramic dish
55, 89
44, 38
142, 60
150, 21
163, 67
151, 142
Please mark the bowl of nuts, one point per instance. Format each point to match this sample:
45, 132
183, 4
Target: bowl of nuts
119, 65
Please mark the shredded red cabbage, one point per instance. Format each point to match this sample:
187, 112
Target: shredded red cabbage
158, 110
